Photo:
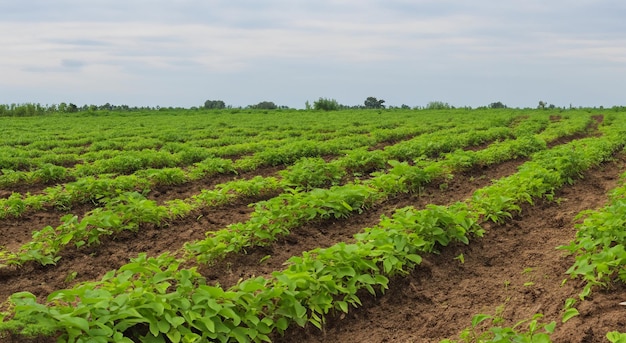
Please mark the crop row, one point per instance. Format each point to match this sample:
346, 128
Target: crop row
128, 212
128, 162
277, 216
600, 257
66, 140
152, 298
356, 160
599, 243
125, 156
93, 189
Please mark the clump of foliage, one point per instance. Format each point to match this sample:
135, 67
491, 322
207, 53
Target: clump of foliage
438, 105
326, 105
265, 105
214, 104
372, 102
497, 105
312, 172
537, 331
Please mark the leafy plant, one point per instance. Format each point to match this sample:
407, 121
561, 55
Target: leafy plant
312, 172
616, 337
326, 104
535, 332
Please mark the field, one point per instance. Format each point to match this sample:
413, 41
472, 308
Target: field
303, 226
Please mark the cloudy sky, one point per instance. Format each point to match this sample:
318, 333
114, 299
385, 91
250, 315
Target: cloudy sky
183, 52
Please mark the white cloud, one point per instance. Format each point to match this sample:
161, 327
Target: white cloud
238, 48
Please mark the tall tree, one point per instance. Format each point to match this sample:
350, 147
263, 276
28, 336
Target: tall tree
265, 105
372, 102
214, 104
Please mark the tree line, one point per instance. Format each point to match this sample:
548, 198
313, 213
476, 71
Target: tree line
322, 104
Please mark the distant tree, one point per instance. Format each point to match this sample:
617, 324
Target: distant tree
438, 105
106, 106
265, 105
326, 104
214, 104
405, 107
71, 108
372, 102
497, 105
542, 105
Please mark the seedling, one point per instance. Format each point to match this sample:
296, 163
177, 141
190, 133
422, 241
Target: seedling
70, 277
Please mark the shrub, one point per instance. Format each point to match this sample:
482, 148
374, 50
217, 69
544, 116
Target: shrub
326, 105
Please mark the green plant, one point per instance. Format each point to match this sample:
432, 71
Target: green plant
616, 337
326, 104
569, 311
363, 161
48, 173
535, 331
165, 176
312, 172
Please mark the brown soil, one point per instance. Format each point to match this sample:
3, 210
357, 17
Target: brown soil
555, 118
515, 266
18, 231
325, 233
383, 144
22, 189
92, 263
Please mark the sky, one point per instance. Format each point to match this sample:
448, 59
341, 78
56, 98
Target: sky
181, 53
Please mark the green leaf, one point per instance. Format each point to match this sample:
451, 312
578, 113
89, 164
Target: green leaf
208, 322
316, 320
343, 306
415, 258
77, 322
345, 271
387, 266
174, 336
300, 310
154, 328
175, 321
616, 337
282, 324
569, 314
229, 313
541, 338
163, 326
479, 318
119, 337
569, 302
241, 334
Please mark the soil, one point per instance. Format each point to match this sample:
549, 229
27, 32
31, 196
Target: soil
514, 270
324, 233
